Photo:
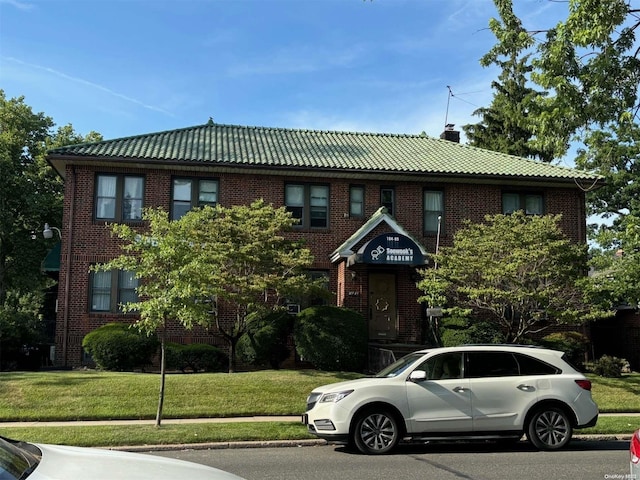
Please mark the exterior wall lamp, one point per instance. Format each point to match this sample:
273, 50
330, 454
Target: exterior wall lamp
48, 231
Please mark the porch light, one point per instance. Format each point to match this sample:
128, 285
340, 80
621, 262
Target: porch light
48, 231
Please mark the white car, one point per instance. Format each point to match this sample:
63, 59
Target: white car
634, 454
466, 392
27, 461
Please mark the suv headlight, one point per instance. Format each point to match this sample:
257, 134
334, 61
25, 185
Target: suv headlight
334, 397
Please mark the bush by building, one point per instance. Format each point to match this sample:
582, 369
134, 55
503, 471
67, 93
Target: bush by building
331, 338
120, 347
574, 344
265, 342
608, 366
195, 357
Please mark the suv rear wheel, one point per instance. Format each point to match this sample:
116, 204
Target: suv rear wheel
376, 432
549, 429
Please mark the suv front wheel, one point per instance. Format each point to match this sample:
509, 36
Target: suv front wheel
376, 432
549, 429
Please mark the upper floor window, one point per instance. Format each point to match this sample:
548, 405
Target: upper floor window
188, 193
111, 289
530, 203
309, 204
356, 201
433, 211
119, 197
388, 199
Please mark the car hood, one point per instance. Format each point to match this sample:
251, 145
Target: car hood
71, 463
350, 384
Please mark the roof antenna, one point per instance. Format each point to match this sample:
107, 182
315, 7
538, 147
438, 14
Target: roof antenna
446, 116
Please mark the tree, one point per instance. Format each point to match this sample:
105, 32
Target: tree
246, 267
614, 154
506, 125
159, 259
30, 195
30, 191
617, 266
517, 271
588, 64
214, 265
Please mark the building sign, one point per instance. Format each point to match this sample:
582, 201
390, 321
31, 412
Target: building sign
391, 249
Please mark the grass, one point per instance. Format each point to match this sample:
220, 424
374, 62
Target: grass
92, 395
617, 394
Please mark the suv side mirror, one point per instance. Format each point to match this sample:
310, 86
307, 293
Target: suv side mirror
418, 376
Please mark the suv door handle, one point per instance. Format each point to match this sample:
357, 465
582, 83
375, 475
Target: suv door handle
526, 388
459, 389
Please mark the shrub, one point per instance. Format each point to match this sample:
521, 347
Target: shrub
607, 366
197, 357
331, 338
265, 343
461, 330
574, 344
120, 347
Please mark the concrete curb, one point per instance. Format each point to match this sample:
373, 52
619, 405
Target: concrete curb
302, 443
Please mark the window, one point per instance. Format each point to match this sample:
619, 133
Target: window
356, 201
433, 210
111, 289
533, 366
442, 367
309, 204
530, 203
492, 364
192, 192
119, 197
387, 199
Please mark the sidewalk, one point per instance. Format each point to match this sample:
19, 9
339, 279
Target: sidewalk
168, 421
165, 421
255, 444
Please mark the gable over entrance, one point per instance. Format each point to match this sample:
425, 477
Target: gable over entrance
398, 247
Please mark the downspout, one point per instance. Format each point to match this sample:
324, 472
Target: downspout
67, 279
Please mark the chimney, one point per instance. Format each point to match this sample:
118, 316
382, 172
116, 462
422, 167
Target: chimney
450, 134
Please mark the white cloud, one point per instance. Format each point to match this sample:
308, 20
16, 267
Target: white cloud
19, 5
81, 81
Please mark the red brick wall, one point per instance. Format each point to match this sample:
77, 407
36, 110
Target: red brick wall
91, 242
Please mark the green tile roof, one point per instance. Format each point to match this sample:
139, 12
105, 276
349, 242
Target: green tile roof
233, 145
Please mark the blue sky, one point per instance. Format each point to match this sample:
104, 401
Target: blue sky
127, 67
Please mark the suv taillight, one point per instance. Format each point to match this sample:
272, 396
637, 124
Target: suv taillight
585, 384
634, 449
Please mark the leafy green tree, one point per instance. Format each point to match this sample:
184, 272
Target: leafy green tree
30, 191
214, 265
589, 62
614, 153
159, 258
30, 195
517, 271
617, 266
244, 265
506, 125
588, 66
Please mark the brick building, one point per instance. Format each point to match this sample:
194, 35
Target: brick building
371, 208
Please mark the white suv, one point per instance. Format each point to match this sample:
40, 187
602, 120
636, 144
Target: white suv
466, 392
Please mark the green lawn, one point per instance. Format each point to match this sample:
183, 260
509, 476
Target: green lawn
93, 395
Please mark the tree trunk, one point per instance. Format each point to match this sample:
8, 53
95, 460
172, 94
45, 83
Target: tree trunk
162, 378
232, 354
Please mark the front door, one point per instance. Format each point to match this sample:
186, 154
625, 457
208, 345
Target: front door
382, 306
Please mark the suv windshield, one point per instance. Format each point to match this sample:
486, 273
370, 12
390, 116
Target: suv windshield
399, 366
16, 462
